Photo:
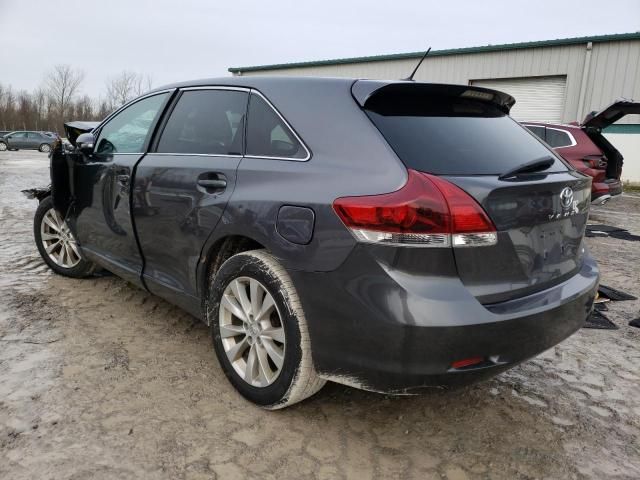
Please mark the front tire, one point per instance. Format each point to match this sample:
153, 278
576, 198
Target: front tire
45, 148
56, 244
3, 146
259, 331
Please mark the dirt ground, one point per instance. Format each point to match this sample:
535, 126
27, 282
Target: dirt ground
101, 380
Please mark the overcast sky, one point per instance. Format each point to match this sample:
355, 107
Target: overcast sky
179, 40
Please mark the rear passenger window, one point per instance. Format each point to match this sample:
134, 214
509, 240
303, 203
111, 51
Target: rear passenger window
558, 138
206, 122
268, 135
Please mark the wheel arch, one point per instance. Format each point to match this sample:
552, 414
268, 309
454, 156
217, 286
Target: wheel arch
215, 254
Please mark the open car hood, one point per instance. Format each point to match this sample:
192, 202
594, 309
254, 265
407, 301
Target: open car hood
611, 114
74, 129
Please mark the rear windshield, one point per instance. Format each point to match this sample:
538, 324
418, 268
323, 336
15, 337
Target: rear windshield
455, 136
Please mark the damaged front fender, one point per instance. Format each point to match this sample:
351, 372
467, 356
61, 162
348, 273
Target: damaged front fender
61, 174
37, 193
62, 158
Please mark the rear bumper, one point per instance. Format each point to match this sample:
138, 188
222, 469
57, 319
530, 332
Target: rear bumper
603, 191
378, 329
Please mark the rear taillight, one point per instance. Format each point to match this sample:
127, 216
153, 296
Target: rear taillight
427, 212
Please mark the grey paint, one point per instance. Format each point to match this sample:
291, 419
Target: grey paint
531, 250
397, 317
295, 224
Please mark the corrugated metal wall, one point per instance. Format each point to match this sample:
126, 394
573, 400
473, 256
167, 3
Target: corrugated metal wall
613, 71
540, 99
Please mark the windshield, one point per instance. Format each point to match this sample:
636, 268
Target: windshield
455, 136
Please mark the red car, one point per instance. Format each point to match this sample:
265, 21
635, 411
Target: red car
587, 150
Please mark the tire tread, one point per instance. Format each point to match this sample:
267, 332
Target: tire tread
306, 381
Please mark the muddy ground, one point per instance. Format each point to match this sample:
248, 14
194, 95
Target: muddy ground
101, 380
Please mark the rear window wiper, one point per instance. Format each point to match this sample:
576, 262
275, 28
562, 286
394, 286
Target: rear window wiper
529, 167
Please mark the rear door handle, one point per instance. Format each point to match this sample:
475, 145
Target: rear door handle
213, 183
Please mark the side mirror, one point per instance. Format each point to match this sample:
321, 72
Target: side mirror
86, 143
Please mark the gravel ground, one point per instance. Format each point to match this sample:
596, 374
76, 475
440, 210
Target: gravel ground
101, 380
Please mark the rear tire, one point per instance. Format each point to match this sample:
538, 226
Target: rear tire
45, 148
56, 243
265, 356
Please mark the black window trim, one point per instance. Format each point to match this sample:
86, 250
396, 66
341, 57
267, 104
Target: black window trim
169, 111
288, 125
98, 130
529, 126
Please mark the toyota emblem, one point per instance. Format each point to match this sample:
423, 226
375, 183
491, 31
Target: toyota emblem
566, 198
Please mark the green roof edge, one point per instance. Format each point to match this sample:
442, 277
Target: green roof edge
436, 53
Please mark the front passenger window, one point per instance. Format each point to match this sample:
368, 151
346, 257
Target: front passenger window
127, 132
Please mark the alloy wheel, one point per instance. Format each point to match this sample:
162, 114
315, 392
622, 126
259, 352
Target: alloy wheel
45, 148
58, 241
251, 330
3, 147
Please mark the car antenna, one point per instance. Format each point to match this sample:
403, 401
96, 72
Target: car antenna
410, 77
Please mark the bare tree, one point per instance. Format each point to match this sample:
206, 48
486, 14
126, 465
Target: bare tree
39, 98
143, 84
8, 109
125, 87
59, 100
62, 84
104, 109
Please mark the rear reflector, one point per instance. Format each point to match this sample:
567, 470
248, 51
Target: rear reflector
474, 239
467, 362
427, 212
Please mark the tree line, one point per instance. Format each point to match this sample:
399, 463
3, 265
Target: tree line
59, 98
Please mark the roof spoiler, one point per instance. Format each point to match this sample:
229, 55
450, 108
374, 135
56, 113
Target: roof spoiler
365, 90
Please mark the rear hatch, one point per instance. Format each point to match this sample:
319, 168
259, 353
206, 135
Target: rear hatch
596, 121
611, 114
465, 136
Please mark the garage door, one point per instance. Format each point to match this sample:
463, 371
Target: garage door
538, 99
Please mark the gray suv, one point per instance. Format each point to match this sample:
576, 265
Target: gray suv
389, 235
27, 140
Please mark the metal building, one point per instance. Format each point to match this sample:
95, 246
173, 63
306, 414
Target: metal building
553, 80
